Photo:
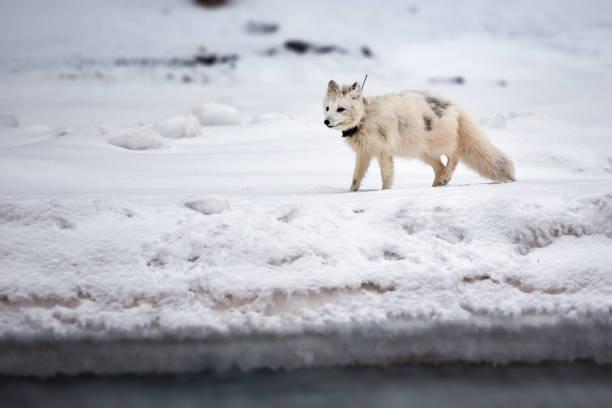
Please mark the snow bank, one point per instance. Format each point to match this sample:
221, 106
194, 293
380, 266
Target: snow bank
209, 205
179, 127
135, 140
539, 340
216, 114
470, 274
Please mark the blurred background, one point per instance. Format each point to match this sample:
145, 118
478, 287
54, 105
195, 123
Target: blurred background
489, 53
91, 94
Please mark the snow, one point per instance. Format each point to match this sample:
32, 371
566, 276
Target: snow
211, 205
216, 114
180, 126
141, 234
135, 141
8, 120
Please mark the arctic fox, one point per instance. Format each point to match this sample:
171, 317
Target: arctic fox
411, 124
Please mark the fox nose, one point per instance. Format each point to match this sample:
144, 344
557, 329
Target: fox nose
326, 122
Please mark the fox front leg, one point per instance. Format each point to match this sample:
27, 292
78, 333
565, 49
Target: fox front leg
386, 170
362, 162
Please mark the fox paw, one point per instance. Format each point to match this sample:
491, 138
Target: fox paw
441, 183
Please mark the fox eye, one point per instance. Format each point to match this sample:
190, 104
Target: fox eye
340, 110
326, 108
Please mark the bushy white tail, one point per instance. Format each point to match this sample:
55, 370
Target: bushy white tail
478, 152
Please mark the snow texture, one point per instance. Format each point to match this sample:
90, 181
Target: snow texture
209, 205
8, 120
135, 141
180, 126
216, 114
117, 256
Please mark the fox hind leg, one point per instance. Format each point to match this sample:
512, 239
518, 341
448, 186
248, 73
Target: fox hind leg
437, 165
449, 169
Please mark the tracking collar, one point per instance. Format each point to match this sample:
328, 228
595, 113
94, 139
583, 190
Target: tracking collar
350, 132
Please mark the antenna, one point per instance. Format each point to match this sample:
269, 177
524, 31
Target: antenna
364, 79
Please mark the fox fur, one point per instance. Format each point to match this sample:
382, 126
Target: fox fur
411, 124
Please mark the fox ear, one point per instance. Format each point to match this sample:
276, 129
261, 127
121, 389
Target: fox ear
355, 90
332, 88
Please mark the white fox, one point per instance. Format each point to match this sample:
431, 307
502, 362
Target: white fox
411, 124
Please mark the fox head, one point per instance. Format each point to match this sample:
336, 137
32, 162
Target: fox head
344, 106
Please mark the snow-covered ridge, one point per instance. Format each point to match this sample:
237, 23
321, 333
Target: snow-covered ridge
404, 279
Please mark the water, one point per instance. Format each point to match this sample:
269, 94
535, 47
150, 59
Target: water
580, 384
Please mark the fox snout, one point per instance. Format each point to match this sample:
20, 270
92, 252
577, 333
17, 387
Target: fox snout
331, 123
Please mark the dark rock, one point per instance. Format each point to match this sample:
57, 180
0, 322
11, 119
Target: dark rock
458, 80
297, 46
260, 27
228, 59
325, 49
209, 59
211, 3
302, 47
270, 52
366, 51
202, 58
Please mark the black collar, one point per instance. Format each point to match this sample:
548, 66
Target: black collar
350, 132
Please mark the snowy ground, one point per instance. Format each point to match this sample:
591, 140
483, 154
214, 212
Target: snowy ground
107, 263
